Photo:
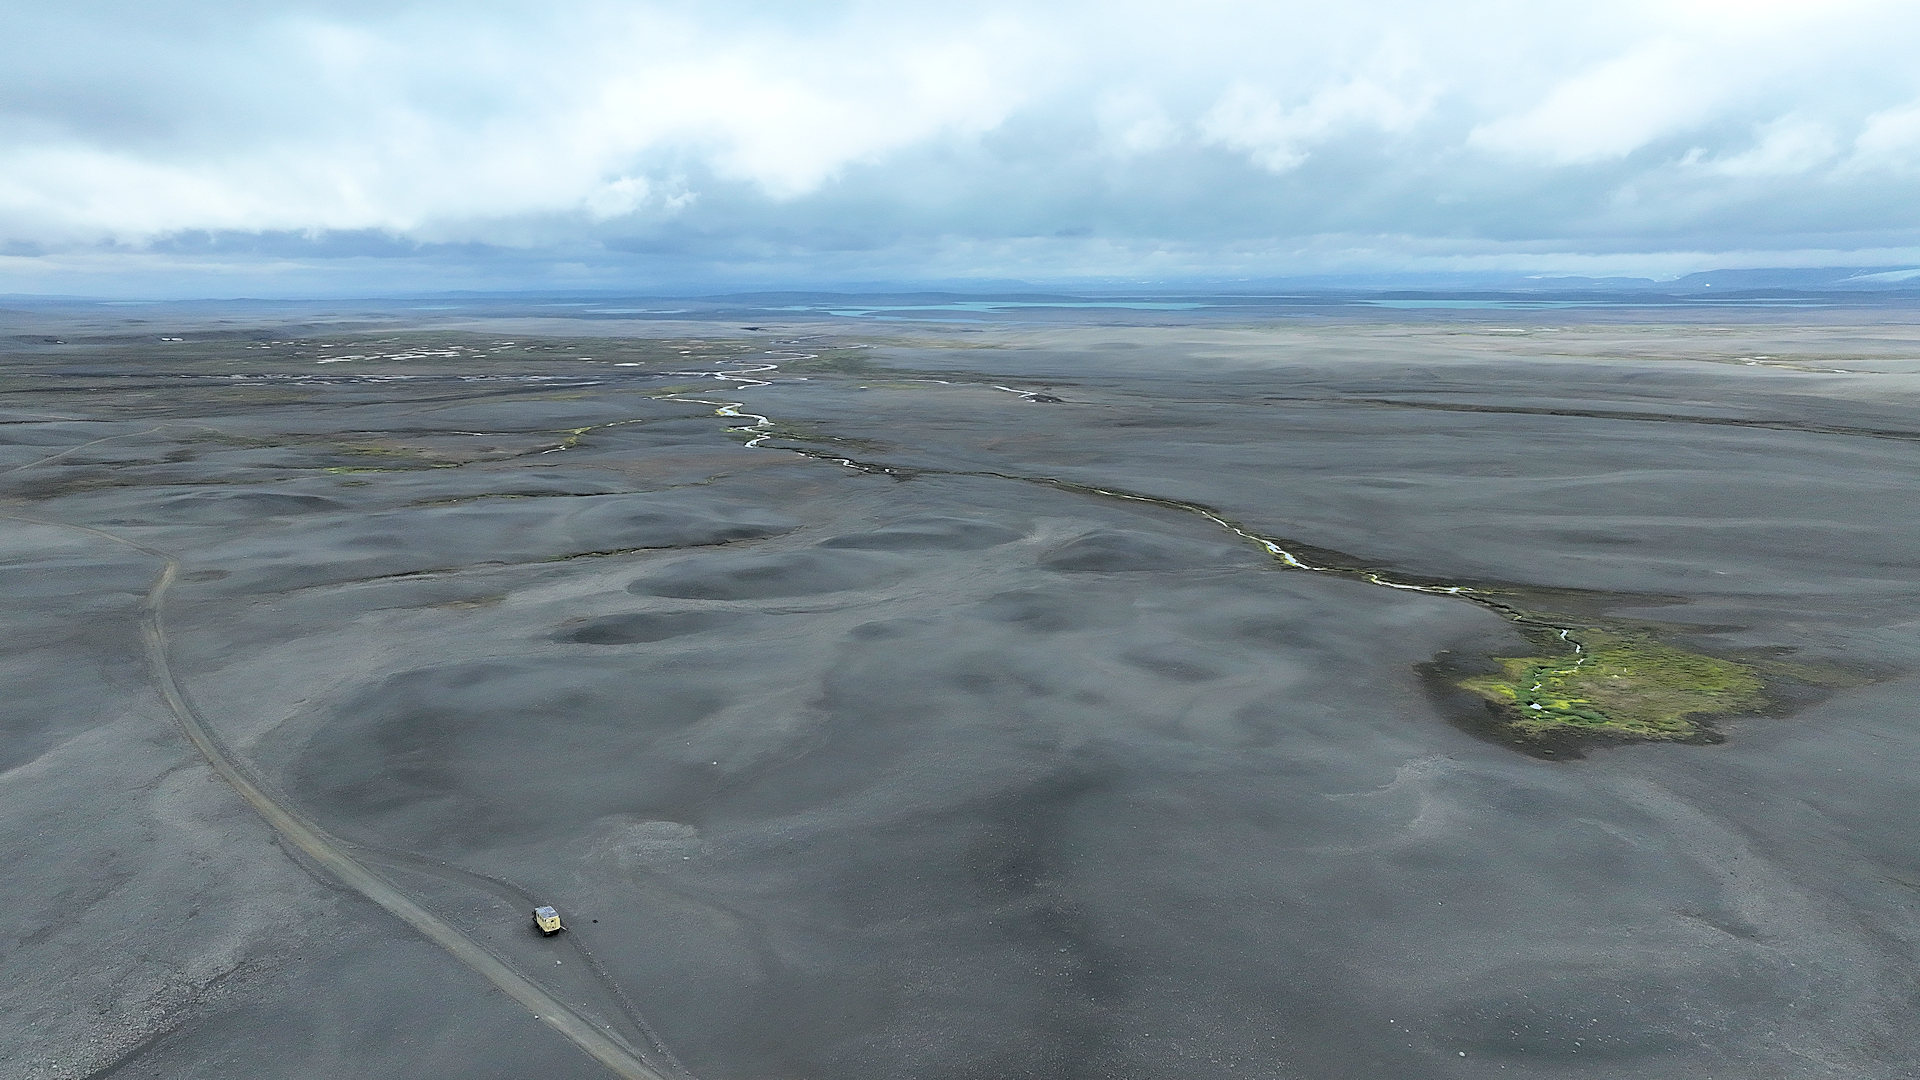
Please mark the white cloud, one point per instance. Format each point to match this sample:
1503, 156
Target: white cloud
787, 124
1610, 109
1890, 140
395, 126
850, 125
618, 197
1279, 138
1789, 146
1133, 121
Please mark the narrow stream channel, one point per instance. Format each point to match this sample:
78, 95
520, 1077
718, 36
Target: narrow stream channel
761, 429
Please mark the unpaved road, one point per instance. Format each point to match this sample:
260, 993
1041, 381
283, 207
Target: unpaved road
944, 775
620, 1058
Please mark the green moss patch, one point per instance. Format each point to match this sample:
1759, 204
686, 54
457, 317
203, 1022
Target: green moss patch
834, 361
794, 431
1617, 687
574, 435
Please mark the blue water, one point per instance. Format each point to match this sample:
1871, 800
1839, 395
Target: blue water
989, 307
1482, 304
959, 310
1594, 302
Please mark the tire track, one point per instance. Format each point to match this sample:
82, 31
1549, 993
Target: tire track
524, 900
333, 856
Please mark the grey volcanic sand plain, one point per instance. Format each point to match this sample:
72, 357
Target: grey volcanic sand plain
920, 765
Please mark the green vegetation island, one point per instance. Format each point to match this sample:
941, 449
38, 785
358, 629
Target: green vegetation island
1604, 686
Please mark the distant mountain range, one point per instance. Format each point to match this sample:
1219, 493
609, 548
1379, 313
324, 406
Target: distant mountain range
1870, 285
1796, 279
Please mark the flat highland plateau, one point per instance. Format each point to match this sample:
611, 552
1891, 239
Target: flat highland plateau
1143, 696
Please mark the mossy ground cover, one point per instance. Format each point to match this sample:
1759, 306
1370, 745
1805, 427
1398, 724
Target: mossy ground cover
1621, 687
838, 361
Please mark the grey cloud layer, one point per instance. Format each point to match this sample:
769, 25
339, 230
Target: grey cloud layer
1057, 137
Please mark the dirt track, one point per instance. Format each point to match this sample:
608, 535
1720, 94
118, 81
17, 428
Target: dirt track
619, 1057
928, 769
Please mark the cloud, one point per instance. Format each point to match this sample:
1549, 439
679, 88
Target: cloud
1132, 121
1788, 146
1890, 140
731, 134
1279, 138
406, 122
1609, 110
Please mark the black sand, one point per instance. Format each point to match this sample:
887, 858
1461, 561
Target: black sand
916, 766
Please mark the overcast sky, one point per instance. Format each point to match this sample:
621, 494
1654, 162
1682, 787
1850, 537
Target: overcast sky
484, 144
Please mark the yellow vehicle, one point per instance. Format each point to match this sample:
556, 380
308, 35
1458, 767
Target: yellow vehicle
547, 920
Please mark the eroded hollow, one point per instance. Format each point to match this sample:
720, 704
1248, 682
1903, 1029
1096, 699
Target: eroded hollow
645, 626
